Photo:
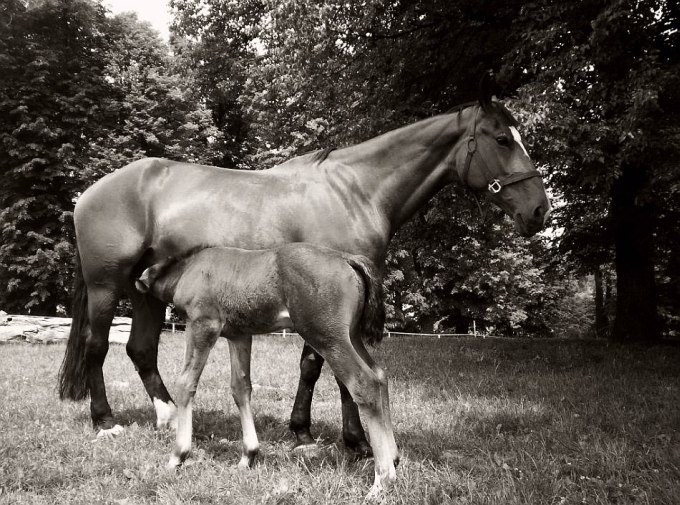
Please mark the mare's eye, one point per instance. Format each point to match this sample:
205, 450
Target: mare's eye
503, 140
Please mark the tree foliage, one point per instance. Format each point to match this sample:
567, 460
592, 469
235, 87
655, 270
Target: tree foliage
53, 98
252, 83
81, 94
322, 74
600, 83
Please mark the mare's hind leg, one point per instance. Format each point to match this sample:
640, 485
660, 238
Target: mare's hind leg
102, 302
300, 418
241, 388
201, 336
352, 432
148, 314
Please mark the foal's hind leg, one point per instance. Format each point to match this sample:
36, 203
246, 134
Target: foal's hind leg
359, 346
148, 314
300, 418
201, 336
367, 385
241, 388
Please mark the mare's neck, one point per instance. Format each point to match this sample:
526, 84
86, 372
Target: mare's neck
403, 169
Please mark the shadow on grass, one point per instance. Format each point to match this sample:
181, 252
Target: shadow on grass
216, 425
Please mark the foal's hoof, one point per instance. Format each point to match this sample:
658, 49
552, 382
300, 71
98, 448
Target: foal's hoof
377, 494
107, 434
174, 463
245, 464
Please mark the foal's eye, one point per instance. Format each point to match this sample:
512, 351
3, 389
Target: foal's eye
503, 140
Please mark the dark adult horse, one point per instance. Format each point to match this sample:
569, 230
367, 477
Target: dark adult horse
352, 199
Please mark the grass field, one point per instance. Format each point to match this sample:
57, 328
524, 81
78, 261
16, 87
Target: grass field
477, 421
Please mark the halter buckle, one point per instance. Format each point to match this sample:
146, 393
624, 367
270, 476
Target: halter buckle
495, 186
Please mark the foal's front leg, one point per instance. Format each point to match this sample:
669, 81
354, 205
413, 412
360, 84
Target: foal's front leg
201, 336
241, 388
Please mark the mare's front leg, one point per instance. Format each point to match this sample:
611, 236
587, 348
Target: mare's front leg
148, 314
201, 336
241, 388
300, 418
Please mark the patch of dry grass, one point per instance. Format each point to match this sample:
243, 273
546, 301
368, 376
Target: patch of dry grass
477, 421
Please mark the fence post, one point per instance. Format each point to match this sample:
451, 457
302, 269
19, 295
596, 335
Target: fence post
474, 328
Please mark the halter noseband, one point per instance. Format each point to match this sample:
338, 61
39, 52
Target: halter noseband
496, 183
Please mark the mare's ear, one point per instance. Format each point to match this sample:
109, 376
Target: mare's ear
142, 284
487, 85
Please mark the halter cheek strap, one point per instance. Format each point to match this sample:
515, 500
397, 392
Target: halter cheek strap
496, 183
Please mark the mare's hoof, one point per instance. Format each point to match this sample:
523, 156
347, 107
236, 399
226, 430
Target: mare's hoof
307, 449
167, 425
166, 414
360, 449
106, 434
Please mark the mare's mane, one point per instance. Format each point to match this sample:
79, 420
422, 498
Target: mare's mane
496, 107
320, 155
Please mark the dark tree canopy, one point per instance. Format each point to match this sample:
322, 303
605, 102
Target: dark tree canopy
250, 84
81, 94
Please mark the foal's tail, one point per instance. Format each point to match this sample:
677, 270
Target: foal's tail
372, 322
72, 374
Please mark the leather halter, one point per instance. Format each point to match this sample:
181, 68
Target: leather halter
496, 183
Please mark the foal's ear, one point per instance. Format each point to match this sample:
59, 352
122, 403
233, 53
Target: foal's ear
487, 86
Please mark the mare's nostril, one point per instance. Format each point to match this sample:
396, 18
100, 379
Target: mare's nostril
539, 212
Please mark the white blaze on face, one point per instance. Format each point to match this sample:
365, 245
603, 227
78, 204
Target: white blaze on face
166, 414
518, 139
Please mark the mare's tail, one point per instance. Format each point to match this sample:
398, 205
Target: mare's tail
72, 374
372, 322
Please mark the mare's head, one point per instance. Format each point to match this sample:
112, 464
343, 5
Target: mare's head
494, 160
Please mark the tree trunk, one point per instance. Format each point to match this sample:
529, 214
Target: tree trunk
636, 298
462, 325
426, 323
601, 321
